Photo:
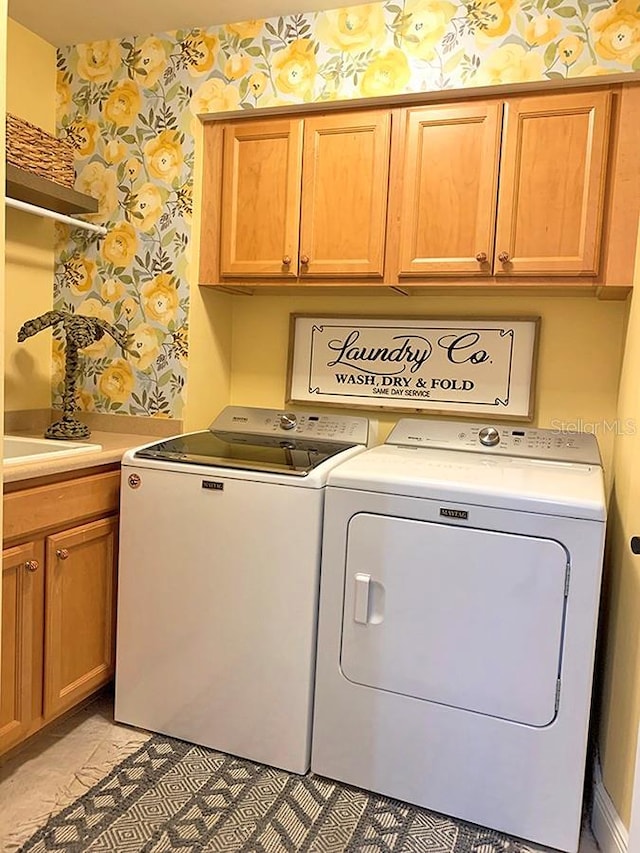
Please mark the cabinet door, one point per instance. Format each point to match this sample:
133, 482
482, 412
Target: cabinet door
79, 613
261, 180
449, 189
344, 194
552, 181
21, 686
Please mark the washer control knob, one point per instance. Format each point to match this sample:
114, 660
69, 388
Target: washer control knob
288, 421
489, 436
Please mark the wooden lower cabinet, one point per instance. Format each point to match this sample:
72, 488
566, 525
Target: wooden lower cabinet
58, 600
80, 614
22, 612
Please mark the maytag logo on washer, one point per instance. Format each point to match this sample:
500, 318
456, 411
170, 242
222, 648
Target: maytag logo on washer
134, 481
454, 513
213, 484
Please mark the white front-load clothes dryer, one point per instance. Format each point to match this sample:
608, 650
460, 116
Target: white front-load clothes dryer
460, 583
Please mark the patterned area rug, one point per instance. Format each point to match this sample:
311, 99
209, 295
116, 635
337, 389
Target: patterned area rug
171, 795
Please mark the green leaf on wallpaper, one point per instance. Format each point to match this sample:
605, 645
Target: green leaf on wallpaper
553, 4
550, 53
395, 10
454, 61
636, 64
165, 379
554, 75
566, 12
575, 28
254, 51
584, 8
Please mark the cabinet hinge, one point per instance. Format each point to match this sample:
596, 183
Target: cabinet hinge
567, 575
557, 704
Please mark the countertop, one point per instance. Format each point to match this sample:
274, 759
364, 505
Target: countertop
114, 444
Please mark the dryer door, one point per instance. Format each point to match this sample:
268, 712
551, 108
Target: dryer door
463, 617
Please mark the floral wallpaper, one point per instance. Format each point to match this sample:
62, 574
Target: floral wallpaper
129, 108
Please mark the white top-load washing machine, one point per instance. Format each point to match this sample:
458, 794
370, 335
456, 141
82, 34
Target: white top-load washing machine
460, 582
218, 584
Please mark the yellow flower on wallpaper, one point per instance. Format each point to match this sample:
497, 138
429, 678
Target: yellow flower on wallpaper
96, 180
129, 307
236, 66
145, 342
387, 74
83, 135
569, 49
616, 31
257, 83
295, 68
63, 97
246, 29
201, 49
98, 60
123, 104
160, 298
61, 235
214, 96
492, 17
94, 308
57, 360
112, 289
426, 24
116, 382
80, 273
510, 63
147, 207
84, 400
542, 29
163, 156
151, 62
354, 29
114, 151
120, 245
132, 168
593, 71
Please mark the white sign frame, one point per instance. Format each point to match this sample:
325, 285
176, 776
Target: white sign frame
481, 367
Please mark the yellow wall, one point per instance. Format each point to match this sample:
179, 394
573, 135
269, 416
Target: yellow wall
621, 693
31, 81
577, 378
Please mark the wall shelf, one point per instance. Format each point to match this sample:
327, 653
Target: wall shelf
25, 186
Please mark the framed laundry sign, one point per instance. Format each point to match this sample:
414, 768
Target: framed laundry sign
477, 366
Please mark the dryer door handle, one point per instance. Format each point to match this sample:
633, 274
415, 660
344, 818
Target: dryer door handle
361, 598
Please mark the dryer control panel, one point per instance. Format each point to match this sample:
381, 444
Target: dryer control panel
497, 439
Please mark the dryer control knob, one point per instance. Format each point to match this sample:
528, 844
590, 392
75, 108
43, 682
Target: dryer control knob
288, 421
489, 436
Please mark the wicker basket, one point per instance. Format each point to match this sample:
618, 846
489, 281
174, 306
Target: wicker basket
36, 151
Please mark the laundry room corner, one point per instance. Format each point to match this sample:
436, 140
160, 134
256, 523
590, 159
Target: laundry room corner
619, 711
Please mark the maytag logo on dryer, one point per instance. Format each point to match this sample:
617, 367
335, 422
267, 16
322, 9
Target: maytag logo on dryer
214, 485
454, 513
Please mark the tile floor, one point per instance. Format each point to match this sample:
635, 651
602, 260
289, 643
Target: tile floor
63, 762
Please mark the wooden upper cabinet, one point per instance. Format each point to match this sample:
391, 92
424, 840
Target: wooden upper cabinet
552, 183
344, 194
261, 181
449, 187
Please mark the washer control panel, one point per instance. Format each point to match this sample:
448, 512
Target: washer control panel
498, 439
249, 421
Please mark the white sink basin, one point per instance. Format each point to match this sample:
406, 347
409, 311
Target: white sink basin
18, 450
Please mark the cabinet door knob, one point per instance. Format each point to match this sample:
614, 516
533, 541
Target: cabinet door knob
32, 565
62, 553
503, 257
481, 257
304, 260
286, 261
634, 544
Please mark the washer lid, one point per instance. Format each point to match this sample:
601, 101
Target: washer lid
530, 485
277, 454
